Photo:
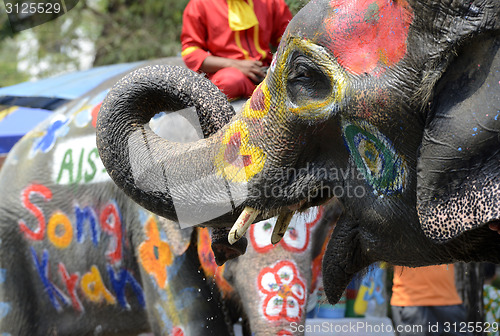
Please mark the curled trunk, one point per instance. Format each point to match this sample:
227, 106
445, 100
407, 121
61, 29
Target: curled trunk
177, 181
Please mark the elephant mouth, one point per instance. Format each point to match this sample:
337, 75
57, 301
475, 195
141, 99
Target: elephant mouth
284, 213
494, 225
224, 251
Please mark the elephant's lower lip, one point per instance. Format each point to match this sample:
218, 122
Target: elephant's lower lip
311, 202
296, 206
494, 225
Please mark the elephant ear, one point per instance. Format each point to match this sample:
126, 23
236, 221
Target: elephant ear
458, 171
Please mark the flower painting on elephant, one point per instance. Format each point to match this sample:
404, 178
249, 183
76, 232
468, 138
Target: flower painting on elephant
277, 279
238, 160
375, 157
155, 254
283, 290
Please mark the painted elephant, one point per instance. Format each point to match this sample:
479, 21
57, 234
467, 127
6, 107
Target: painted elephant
392, 106
79, 257
270, 284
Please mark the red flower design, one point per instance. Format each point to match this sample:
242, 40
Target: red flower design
238, 160
367, 36
283, 290
232, 152
258, 105
296, 238
177, 331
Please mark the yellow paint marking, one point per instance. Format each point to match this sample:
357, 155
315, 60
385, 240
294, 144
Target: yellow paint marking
60, 230
93, 287
238, 161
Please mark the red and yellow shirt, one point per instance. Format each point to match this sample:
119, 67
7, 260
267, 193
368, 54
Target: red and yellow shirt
206, 30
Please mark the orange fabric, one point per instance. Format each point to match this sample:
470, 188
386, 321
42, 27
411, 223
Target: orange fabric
424, 286
205, 30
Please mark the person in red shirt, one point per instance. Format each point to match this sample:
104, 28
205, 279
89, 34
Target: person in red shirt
230, 40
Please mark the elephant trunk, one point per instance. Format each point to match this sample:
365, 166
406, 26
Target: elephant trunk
176, 181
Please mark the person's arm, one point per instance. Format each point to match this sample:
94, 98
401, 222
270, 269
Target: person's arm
194, 36
250, 68
281, 18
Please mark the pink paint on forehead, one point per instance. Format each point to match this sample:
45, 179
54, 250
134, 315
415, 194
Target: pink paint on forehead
257, 100
366, 36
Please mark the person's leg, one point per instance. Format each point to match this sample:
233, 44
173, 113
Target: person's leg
233, 83
410, 321
452, 320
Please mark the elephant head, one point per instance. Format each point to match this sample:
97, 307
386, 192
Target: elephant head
391, 106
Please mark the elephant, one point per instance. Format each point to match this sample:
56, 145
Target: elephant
391, 106
79, 257
283, 276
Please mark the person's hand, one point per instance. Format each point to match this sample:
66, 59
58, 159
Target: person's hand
251, 69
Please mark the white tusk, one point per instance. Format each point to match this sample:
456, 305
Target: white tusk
282, 223
242, 224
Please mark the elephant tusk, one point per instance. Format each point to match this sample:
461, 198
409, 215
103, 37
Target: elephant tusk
282, 223
242, 224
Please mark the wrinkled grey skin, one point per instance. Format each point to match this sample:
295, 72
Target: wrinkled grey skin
51, 259
417, 123
49, 192
243, 274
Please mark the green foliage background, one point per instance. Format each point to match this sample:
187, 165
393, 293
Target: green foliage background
121, 30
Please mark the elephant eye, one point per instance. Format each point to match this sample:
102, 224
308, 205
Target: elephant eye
306, 81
